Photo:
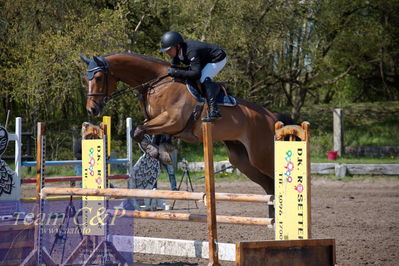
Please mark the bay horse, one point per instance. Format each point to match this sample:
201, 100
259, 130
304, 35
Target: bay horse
246, 129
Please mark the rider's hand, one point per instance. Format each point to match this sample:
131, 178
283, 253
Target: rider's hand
172, 71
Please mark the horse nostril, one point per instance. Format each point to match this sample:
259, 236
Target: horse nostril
92, 112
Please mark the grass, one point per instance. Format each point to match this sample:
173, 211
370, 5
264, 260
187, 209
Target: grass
366, 124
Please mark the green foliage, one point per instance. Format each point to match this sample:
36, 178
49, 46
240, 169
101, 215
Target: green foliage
286, 55
367, 124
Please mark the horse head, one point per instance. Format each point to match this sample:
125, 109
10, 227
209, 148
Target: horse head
100, 82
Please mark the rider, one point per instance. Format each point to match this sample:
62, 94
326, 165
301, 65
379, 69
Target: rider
204, 60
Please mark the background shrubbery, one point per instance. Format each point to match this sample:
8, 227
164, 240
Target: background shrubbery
300, 57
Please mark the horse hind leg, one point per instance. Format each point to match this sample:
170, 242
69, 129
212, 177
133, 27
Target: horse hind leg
238, 157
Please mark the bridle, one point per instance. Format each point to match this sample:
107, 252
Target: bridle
142, 88
104, 86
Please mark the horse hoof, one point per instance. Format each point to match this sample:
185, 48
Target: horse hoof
152, 151
137, 134
164, 157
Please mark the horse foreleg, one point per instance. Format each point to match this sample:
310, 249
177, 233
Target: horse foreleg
161, 124
164, 123
138, 133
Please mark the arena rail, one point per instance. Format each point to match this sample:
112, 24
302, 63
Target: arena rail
17, 137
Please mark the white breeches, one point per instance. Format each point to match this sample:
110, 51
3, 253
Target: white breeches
211, 69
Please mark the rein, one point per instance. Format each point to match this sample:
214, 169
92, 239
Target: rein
141, 88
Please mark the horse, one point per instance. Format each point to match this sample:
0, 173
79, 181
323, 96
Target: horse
246, 129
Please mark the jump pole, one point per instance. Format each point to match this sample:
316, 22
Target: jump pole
154, 194
41, 137
210, 193
243, 250
39, 254
190, 217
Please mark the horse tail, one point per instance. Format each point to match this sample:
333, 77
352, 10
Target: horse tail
285, 118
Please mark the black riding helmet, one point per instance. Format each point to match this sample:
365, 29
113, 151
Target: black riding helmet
170, 39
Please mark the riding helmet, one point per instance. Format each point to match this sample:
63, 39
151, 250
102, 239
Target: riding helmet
170, 39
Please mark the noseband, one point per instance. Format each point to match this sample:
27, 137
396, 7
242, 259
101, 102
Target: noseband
104, 89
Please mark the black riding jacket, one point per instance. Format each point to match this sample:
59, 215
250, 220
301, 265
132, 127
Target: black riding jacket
196, 55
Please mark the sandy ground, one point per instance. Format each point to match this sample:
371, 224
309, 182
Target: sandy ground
362, 217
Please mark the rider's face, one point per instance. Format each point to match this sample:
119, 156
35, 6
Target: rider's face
172, 52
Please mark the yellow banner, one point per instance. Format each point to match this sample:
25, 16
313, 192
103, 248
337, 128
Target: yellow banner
93, 176
291, 191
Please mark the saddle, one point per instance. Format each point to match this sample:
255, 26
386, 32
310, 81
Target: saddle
223, 98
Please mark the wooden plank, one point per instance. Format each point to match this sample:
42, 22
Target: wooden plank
357, 169
312, 252
322, 168
210, 193
189, 217
373, 169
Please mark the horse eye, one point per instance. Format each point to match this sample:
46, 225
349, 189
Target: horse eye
98, 79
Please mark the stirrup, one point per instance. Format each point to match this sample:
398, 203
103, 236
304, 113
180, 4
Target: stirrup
211, 118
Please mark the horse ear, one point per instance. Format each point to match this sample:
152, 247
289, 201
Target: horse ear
98, 61
85, 59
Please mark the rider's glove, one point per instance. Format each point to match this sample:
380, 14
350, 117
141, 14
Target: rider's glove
172, 71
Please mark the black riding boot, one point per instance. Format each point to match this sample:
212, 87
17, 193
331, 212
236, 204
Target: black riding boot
211, 91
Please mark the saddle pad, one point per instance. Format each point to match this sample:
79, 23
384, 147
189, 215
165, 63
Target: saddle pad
221, 99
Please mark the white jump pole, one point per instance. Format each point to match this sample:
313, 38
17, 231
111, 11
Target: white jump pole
17, 137
129, 127
18, 147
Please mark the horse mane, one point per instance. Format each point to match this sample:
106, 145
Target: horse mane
141, 56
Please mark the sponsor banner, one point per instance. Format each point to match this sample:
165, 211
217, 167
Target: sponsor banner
291, 191
93, 176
